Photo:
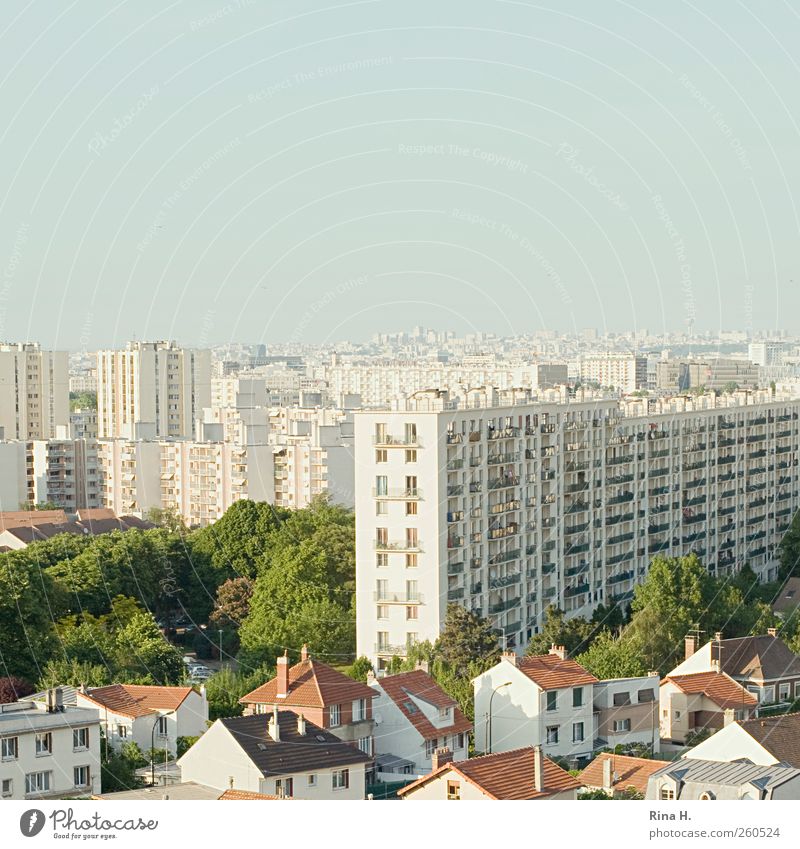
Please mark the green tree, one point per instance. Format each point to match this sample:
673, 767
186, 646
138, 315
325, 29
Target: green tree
82, 401
789, 550
226, 687
609, 657
574, 633
360, 668
232, 604
143, 653
466, 638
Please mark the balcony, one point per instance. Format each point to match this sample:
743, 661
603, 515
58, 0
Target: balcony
502, 606
576, 487
505, 581
618, 479
499, 459
577, 507
455, 489
397, 598
454, 465
457, 516
503, 482
620, 499
399, 494
502, 433
576, 529
504, 557
504, 507
455, 594
385, 440
580, 589
397, 545
455, 568
455, 542
621, 576
502, 533
391, 649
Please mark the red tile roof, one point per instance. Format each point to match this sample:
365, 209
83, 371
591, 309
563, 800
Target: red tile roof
421, 685
627, 772
716, 686
550, 672
246, 795
311, 684
506, 775
136, 700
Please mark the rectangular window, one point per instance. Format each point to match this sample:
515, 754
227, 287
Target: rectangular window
383, 641
577, 732
783, 691
162, 726
411, 561
80, 738
797, 689
381, 455
382, 536
382, 588
411, 508
381, 485
412, 612
768, 695
453, 790
81, 776
359, 710
284, 787
411, 455
430, 747
334, 716
552, 734
382, 560
459, 744
412, 638
577, 697
341, 779
122, 731
37, 782
666, 793
381, 508
412, 591
8, 788
10, 748
412, 539
646, 695
383, 611
365, 744
411, 433
312, 780
622, 725
44, 744
552, 700
622, 699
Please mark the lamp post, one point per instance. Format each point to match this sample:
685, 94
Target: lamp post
220, 648
153, 745
489, 717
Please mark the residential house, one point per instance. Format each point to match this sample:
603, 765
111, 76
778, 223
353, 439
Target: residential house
619, 774
148, 716
626, 712
701, 701
184, 791
690, 780
413, 718
788, 599
325, 696
282, 754
766, 740
519, 774
48, 750
764, 664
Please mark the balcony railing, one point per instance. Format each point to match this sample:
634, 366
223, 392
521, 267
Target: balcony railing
400, 493
397, 598
397, 545
386, 440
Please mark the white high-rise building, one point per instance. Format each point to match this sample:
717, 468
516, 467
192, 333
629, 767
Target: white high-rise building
625, 372
34, 391
506, 510
151, 390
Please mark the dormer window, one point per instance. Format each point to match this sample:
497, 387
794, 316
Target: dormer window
444, 713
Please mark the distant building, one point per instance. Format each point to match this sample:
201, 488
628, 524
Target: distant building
624, 372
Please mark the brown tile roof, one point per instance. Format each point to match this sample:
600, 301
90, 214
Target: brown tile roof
506, 775
779, 735
761, 658
26, 518
136, 700
421, 685
246, 795
788, 598
627, 772
311, 684
716, 686
550, 672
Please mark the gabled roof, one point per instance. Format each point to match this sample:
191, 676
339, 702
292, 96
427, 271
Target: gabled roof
135, 700
788, 598
311, 684
729, 773
505, 775
421, 685
294, 752
779, 735
761, 658
716, 686
626, 772
550, 672
246, 795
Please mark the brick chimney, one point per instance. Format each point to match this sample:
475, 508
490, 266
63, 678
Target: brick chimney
729, 716
718, 636
772, 632
301, 725
509, 657
273, 726
558, 651
283, 676
690, 642
608, 773
304, 653
440, 757
538, 769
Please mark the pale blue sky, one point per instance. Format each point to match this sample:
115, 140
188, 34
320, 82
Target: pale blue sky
272, 171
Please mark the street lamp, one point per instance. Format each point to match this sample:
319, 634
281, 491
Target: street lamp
489, 717
153, 746
220, 648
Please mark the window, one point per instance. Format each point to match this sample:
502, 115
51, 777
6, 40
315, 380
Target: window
797, 689
784, 690
577, 697
552, 700
411, 508
341, 779
768, 695
383, 641
365, 744
622, 725
622, 699
381, 560
80, 738
412, 591
382, 536
459, 738
381, 455
381, 588
381, 508
359, 710
552, 734
311, 781
334, 716
44, 744
412, 613
381, 485
646, 695
8, 788
430, 747
161, 730
10, 748
37, 782
284, 787
122, 731
412, 638
577, 732
666, 793
412, 538
411, 455
411, 433
444, 713
81, 776
677, 714
706, 796
453, 790
411, 561
383, 611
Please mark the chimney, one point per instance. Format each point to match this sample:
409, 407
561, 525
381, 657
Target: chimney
728, 716
423, 665
690, 645
304, 653
301, 724
718, 636
608, 773
371, 678
558, 651
283, 676
772, 632
440, 757
538, 769
273, 726
509, 657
